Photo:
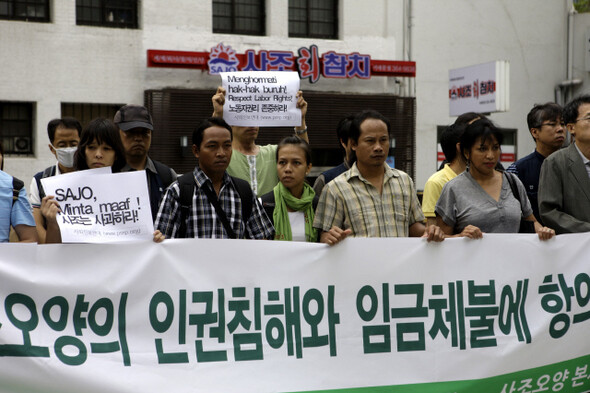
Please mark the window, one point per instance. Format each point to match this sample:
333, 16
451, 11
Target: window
313, 18
16, 127
107, 13
239, 17
27, 10
84, 113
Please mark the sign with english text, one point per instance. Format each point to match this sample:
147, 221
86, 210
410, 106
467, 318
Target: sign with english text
261, 98
101, 207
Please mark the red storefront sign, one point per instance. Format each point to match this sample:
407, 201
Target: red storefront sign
309, 63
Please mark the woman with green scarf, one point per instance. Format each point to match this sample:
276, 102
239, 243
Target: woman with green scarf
290, 205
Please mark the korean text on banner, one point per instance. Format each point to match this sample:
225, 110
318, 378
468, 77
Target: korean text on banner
504, 314
261, 98
112, 207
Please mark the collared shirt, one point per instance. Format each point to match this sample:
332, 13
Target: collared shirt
584, 160
351, 201
259, 170
433, 188
202, 221
528, 170
19, 213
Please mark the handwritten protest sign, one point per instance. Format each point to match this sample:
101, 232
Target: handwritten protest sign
261, 98
103, 207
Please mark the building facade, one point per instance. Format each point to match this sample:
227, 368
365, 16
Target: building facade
88, 57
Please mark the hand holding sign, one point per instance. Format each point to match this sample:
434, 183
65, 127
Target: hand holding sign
98, 208
259, 98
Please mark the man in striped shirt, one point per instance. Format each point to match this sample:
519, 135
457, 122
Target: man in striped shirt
371, 199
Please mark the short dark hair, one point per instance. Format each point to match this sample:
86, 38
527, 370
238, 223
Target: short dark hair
207, 123
449, 139
468, 117
483, 128
355, 128
295, 140
343, 128
101, 130
570, 112
1, 158
549, 111
67, 122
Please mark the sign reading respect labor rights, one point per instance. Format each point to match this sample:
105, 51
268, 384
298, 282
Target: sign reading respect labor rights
104, 207
261, 98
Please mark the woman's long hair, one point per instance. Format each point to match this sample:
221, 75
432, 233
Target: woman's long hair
100, 130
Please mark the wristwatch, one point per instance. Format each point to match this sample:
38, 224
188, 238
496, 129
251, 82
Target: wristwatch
300, 132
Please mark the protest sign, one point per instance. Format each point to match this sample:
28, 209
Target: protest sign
261, 98
504, 314
101, 207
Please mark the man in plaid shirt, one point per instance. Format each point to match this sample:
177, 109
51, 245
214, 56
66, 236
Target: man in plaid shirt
371, 199
212, 146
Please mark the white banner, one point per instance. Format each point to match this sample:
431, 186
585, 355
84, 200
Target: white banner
100, 207
386, 315
261, 98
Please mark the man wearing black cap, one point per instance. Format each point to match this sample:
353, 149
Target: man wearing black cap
135, 126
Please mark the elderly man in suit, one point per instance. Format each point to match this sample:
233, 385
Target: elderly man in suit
564, 185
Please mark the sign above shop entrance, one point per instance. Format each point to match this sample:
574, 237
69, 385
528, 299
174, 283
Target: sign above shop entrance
308, 62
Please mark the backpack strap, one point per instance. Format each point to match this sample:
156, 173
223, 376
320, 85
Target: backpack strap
186, 184
47, 172
246, 195
268, 204
17, 185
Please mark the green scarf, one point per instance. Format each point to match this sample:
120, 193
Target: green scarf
284, 198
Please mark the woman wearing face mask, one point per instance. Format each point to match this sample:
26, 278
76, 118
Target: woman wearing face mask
290, 205
481, 199
64, 137
100, 146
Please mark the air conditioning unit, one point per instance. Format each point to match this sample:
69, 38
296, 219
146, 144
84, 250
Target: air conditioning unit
21, 144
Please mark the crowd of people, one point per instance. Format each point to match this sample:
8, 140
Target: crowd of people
239, 189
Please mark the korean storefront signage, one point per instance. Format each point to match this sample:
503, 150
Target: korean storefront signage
308, 62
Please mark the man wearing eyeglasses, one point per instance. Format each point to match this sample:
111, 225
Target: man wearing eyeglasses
135, 127
564, 185
548, 132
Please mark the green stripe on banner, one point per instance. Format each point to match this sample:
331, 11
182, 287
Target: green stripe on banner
557, 377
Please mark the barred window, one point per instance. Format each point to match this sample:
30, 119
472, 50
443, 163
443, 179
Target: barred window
107, 13
16, 127
313, 18
27, 10
239, 17
85, 113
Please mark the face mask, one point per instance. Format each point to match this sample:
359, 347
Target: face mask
65, 155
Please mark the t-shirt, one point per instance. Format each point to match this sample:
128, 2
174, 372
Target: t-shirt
261, 173
297, 222
433, 188
19, 213
464, 202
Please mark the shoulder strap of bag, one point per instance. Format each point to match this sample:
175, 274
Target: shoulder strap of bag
513, 187
186, 184
246, 195
17, 185
220, 213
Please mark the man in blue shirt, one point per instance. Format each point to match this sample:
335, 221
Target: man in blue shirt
548, 131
